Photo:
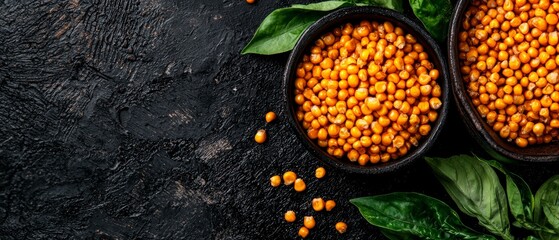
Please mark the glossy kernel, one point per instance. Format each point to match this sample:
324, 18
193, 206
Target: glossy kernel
275, 180
303, 232
329, 205
289, 177
299, 185
289, 216
320, 172
317, 204
260, 136
309, 222
341, 227
270, 116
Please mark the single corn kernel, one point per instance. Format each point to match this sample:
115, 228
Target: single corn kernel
289, 177
341, 227
275, 180
538, 129
320, 172
303, 232
260, 136
330, 204
290, 216
521, 142
318, 204
270, 116
250, 1
309, 222
299, 185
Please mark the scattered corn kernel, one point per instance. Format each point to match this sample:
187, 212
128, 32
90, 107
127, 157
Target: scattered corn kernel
299, 185
270, 116
318, 204
260, 136
290, 216
275, 180
289, 177
309, 222
303, 232
341, 227
329, 205
320, 172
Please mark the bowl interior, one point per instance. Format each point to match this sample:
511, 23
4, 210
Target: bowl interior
496, 146
355, 14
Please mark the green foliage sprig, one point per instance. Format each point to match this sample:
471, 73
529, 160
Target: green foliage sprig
475, 187
282, 28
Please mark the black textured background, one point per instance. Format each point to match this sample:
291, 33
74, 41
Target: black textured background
126, 119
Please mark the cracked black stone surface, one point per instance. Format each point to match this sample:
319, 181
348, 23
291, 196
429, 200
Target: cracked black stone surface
135, 120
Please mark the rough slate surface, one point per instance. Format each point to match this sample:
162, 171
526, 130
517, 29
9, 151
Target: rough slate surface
134, 120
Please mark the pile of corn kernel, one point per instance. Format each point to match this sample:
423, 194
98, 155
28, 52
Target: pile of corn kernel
367, 91
509, 57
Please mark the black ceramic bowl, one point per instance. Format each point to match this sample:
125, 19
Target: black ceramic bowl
355, 14
496, 146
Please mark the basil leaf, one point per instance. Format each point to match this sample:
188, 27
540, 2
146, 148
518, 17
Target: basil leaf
546, 196
532, 238
520, 198
435, 16
396, 5
281, 29
552, 214
476, 189
393, 235
323, 6
414, 214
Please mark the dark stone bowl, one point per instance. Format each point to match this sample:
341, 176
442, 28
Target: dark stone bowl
354, 14
481, 131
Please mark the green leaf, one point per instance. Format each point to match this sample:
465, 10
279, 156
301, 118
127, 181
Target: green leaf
323, 6
552, 214
393, 235
476, 190
406, 214
435, 16
281, 29
521, 200
532, 238
520, 197
547, 197
396, 5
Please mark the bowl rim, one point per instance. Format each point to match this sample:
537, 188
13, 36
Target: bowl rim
352, 14
479, 129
